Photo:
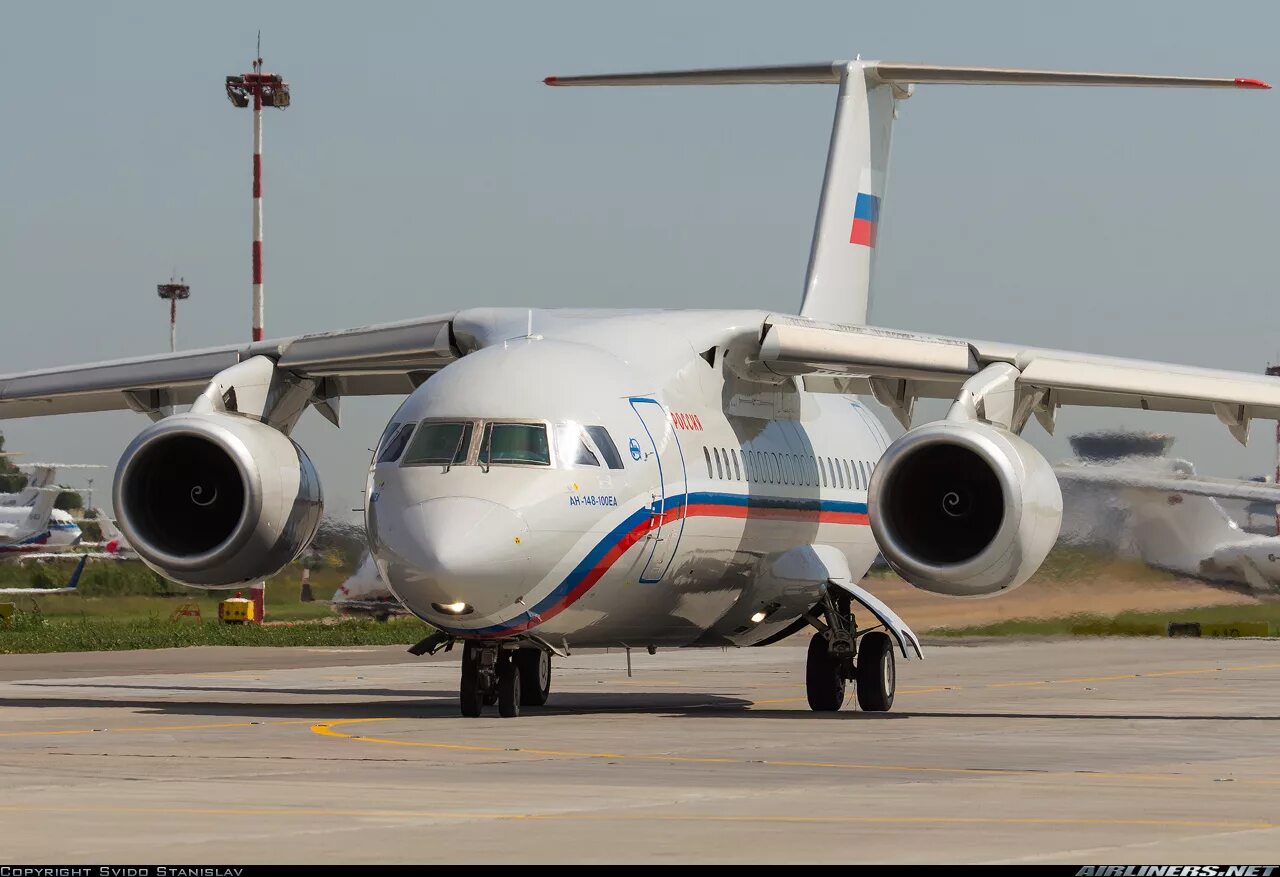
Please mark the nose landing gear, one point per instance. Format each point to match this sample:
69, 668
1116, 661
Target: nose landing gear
838, 653
511, 677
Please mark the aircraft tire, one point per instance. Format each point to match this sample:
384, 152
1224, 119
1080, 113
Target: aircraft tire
470, 697
535, 676
877, 675
823, 681
508, 687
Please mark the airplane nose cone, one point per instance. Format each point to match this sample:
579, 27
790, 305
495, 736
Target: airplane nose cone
463, 550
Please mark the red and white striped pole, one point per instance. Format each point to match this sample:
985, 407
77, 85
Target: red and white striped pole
257, 591
173, 325
257, 203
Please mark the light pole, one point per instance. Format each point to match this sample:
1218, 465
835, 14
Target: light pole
263, 90
174, 292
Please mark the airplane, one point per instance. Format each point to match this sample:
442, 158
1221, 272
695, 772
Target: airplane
365, 593
1160, 510
64, 532
26, 529
69, 587
114, 545
573, 478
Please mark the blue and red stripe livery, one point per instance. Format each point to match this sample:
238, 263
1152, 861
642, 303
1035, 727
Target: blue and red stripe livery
637, 525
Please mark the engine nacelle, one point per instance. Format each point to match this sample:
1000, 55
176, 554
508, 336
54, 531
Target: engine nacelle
965, 509
216, 500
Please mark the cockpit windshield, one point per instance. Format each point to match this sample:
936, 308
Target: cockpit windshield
520, 443
441, 443
486, 443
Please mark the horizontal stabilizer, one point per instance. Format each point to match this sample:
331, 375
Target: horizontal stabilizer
837, 285
829, 73
941, 75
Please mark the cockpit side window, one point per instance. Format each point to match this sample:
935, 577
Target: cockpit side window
515, 443
386, 434
571, 447
604, 442
393, 445
439, 443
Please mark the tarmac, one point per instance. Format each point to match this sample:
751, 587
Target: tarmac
1079, 751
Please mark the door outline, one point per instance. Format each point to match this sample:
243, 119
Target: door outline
659, 506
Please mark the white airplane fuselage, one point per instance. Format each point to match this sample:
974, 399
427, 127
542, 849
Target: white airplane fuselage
722, 483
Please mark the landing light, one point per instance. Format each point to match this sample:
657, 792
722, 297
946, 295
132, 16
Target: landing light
759, 617
452, 608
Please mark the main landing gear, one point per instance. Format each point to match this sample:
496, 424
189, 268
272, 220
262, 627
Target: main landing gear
838, 654
504, 674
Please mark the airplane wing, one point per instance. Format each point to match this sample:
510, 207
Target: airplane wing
1168, 482
392, 358
899, 367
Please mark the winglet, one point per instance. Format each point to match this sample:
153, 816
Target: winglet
1251, 83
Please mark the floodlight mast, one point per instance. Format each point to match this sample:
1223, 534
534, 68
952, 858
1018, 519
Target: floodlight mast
262, 89
174, 291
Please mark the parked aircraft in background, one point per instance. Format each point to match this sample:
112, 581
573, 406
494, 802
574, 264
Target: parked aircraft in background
64, 532
114, 545
26, 529
1159, 510
365, 593
578, 478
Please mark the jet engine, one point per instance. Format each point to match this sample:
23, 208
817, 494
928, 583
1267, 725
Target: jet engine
964, 508
216, 500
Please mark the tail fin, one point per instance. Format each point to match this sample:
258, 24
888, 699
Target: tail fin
838, 283
42, 509
74, 581
1181, 531
107, 526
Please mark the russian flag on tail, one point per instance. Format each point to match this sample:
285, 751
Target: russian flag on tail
866, 216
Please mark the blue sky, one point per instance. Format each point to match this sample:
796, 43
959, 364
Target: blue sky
423, 167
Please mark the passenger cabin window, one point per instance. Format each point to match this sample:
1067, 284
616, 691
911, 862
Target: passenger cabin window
866, 475
848, 477
439, 443
707, 453
605, 445
393, 447
737, 473
719, 465
515, 444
